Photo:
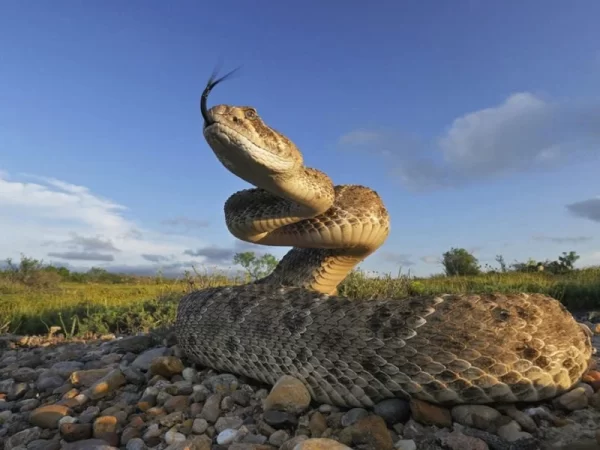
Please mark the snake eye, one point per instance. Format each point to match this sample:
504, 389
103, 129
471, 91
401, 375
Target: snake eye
250, 114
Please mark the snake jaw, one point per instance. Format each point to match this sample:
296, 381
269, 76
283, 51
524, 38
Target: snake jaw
243, 157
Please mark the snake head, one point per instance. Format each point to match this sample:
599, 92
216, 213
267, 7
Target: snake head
238, 134
245, 144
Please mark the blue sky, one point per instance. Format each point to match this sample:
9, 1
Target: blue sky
477, 122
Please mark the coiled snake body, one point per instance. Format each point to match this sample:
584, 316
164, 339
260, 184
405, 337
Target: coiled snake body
446, 349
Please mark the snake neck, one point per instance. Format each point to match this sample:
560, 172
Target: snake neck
310, 189
320, 270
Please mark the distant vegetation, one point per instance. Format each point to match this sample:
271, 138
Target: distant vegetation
35, 296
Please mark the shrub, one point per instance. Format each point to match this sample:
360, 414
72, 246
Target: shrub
458, 261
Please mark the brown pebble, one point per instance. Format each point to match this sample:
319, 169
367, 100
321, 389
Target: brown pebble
106, 385
176, 403
429, 414
288, 394
166, 366
71, 393
317, 424
371, 431
156, 411
322, 444
105, 427
47, 416
593, 379
86, 378
72, 432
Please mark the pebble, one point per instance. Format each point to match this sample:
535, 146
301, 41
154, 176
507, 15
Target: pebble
320, 444
47, 416
241, 397
288, 394
65, 368
476, 416
212, 408
459, 441
173, 437
512, 432
429, 414
573, 400
279, 419
393, 410
317, 424
166, 366
405, 444
228, 422
279, 438
224, 384
136, 444
189, 374
106, 385
199, 426
227, 436
87, 378
22, 438
144, 360
48, 381
368, 431
353, 416
72, 432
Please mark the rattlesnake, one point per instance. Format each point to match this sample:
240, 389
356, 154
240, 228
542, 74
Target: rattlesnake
445, 349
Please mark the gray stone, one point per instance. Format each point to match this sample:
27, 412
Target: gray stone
22, 438
48, 381
66, 368
143, 361
353, 415
212, 408
393, 410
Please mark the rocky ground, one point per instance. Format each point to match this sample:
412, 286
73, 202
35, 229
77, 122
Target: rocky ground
138, 392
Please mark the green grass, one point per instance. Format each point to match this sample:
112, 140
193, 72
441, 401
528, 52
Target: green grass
148, 303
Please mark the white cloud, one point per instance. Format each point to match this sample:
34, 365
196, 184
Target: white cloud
507, 135
525, 132
53, 220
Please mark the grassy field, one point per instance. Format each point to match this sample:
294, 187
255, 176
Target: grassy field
140, 304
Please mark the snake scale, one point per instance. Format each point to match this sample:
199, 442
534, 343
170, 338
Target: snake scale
445, 349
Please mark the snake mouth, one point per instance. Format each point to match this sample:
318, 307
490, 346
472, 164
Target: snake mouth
212, 82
